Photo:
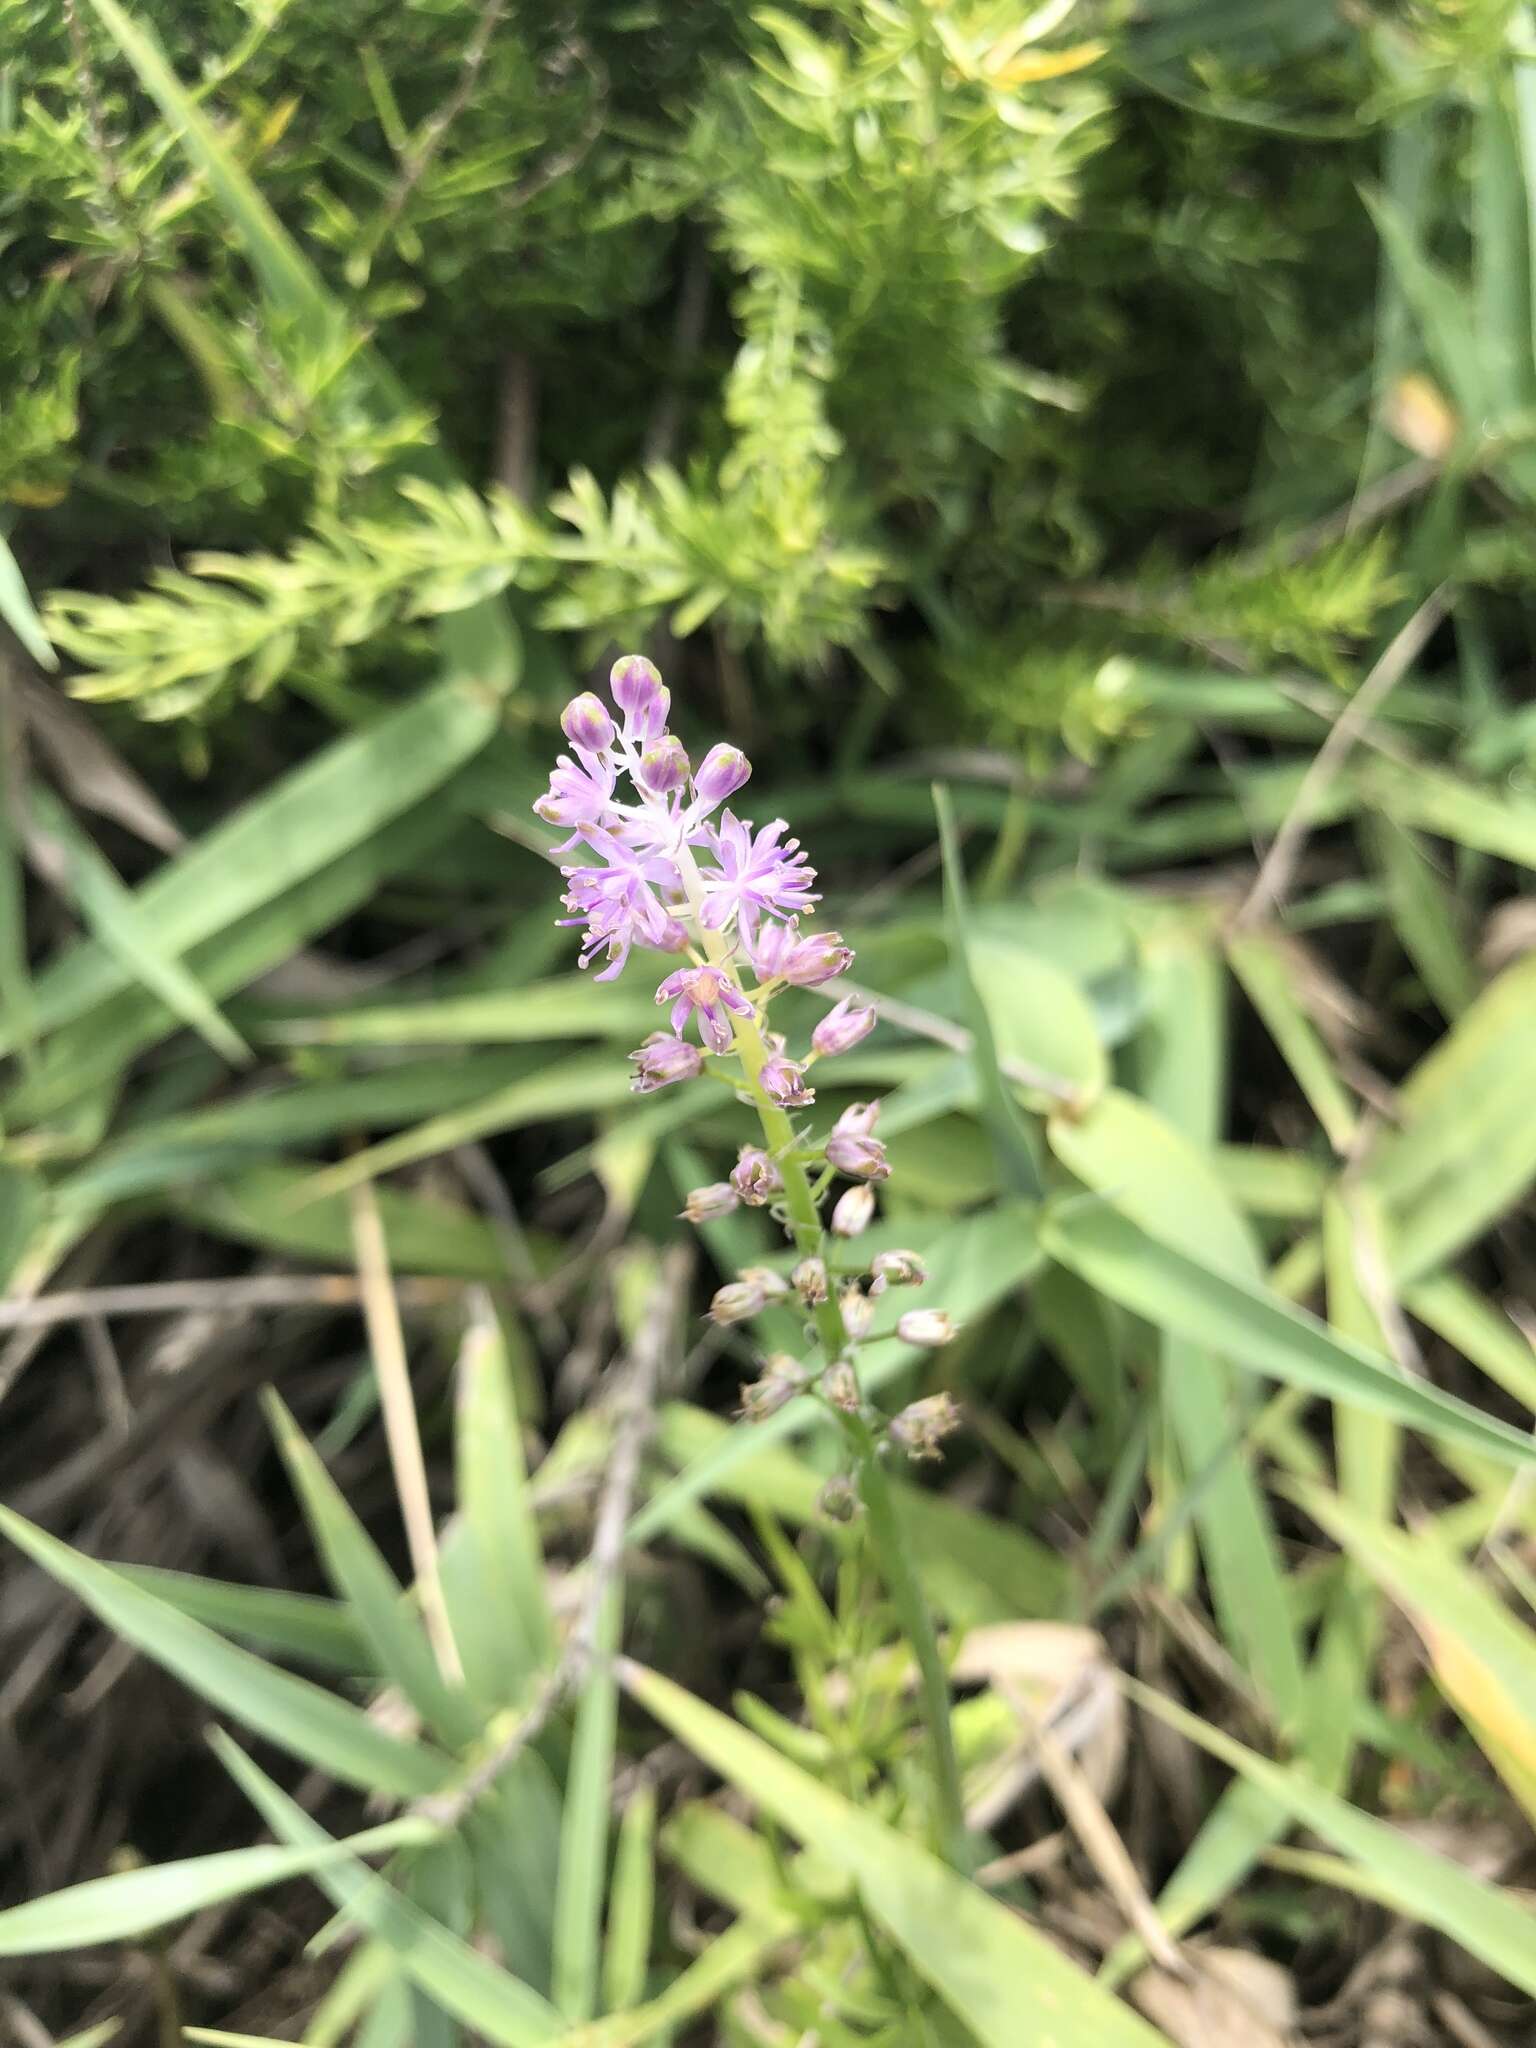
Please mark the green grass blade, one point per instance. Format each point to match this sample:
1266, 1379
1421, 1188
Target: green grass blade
1480, 1331
1257, 1329
18, 611
133, 1903
584, 1826
293, 1624
368, 1586
1009, 1985
457, 1976
1427, 1889
111, 914
300, 1717
632, 1902
1269, 984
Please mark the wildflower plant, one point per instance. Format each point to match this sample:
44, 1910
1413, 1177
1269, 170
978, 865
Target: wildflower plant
667, 866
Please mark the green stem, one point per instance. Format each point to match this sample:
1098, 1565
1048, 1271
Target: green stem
888, 1534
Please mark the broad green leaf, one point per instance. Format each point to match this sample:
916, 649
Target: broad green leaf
135, 1902
573, 1006
293, 1624
363, 1580
300, 1717
1428, 1890
1257, 1329
1435, 800
1010, 1986
461, 1980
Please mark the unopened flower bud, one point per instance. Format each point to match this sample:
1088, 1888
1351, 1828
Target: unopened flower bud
860, 1158
840, 1386
585, 723
858, 1311
756, 1177
641, 695
662, 1060
664, 766
735, 1302
674, 938
809, 1280
851, 1148
822, 957
853, 1212
929, 1327
839, 1499
721, 773
718, 1199
782, 1378
770, 948
896, 1269
783, 1082
922, 1427
843, 1027
771, 1286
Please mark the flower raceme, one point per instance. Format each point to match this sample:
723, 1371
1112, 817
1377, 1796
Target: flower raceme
655, 861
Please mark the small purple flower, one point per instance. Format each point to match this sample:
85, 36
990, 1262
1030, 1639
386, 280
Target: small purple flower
618, 902
720, 774
821, 957
578, 793
664, 766
662, 1060
642, 696
843, 1027
922, 1427
711, 994
852, 1211
586, 724
755, 1177
930, 1328
896, 1269
783, 1082
755, 877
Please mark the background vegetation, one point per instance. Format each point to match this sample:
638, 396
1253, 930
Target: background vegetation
1123, 416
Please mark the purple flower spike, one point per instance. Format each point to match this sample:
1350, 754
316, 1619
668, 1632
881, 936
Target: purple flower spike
783, 1082
756, 876
619, 902
711, 994
642, 696
586, 724
663, 1060
820, 958
720, 774
664, 766
843, 1027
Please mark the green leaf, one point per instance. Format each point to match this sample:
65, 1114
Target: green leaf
1010, 1986
502, 1569
584, 1825
135, 1902
1270, 985
1257, 1330
461, 1980
365, 1582
294, 830
1428, 1890
632, 1902
287, 1710
294, 1624
18, 612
